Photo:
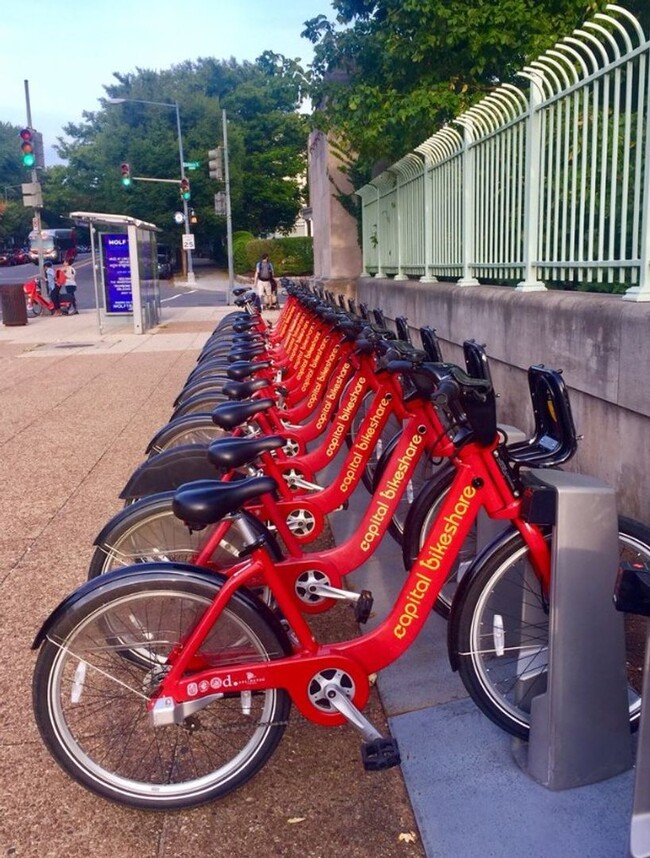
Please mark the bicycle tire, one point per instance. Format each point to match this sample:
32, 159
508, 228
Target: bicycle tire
89, 697
209, 383
190, 429
493, 680
148, 531
202, 403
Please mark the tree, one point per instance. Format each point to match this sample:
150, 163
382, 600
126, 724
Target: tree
266, 136
15, 219
388, 73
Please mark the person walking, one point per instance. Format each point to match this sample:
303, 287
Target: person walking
71, 286
264, 282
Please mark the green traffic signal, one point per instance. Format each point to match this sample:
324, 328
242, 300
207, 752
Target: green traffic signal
27, 147
125, 169
185, 189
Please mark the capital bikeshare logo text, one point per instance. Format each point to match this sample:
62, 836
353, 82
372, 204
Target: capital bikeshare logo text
432, 560
389, 493
363, 443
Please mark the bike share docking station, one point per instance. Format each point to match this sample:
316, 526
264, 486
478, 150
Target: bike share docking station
579, 718
632, 596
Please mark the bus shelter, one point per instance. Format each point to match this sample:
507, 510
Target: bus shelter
125, 269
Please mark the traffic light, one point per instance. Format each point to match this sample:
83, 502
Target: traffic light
193, 216
185, 189
27, 147
215, 165
125, 169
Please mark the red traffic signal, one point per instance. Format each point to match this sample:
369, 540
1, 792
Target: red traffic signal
125, 170
27, 147
185, 189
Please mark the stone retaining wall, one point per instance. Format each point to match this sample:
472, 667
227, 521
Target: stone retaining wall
601, 342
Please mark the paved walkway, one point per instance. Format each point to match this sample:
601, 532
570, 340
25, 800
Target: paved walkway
78, 407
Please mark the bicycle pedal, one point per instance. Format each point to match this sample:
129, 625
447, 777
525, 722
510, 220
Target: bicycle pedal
380, 754
363, 606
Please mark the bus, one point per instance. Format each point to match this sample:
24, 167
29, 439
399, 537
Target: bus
55, 245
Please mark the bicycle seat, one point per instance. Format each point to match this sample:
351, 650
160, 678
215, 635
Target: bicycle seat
229, 415
244, 389
241, 369
245, 353
235, 452
554, 440
206, 501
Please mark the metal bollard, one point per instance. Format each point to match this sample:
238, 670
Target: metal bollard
579, 728
632, 595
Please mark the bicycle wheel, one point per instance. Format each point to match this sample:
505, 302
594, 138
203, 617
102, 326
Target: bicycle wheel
505, 595
421, 515
148, 531
191, 429
34, 309
90, 701
201, 403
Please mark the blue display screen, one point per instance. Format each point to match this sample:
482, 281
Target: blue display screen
117, 273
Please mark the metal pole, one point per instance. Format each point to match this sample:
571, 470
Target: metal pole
95, 264
190, 269
37, 212
231, 274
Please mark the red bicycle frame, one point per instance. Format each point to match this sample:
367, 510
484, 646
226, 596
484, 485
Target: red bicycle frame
478, 484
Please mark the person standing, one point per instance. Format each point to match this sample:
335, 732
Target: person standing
52, 288
264, 282
71, 285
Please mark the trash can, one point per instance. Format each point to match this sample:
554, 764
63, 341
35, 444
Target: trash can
12, 300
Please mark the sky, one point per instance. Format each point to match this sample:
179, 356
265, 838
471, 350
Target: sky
83, 42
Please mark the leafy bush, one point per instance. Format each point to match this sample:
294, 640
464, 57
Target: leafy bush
289, 256
240, 240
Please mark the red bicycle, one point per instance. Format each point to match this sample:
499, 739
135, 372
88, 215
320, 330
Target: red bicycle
37, 302
167, 685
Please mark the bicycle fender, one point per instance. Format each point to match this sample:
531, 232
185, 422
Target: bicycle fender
108, 582
170, 469
191, 421
128, 511
186, 571
509, 534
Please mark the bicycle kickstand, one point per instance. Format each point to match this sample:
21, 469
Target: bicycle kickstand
377, 752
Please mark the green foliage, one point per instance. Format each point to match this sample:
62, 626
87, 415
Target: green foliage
290, 256
389, 73
266, 143
240, 241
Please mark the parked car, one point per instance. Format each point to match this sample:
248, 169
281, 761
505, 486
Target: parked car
7, 257
21, 257
165, 266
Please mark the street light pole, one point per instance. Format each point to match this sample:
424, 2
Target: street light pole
36, 222
186, 216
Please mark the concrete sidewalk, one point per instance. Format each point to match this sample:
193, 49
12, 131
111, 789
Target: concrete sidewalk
78, 409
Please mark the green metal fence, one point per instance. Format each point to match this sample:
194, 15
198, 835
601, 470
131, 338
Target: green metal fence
536, 186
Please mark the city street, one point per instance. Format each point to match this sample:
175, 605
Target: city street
181, 295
